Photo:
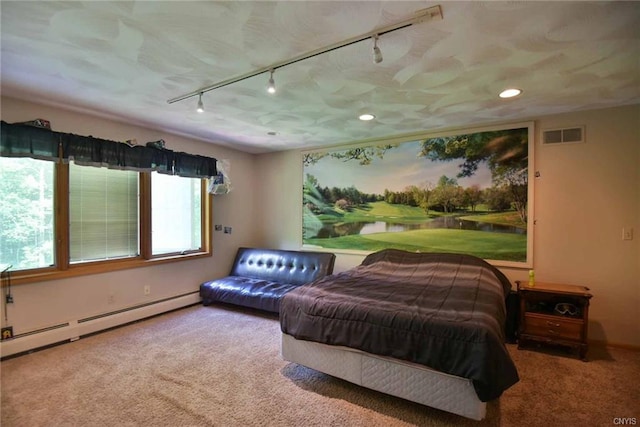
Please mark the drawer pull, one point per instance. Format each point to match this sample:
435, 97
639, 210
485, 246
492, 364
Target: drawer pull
551, 331
557, 325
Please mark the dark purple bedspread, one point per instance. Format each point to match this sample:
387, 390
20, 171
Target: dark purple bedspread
444, 311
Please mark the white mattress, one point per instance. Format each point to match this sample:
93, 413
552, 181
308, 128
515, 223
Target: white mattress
403, 379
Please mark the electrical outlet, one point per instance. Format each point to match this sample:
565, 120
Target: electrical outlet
627, 234
227, 230
147, 289
218, 227
7, 333
8, 299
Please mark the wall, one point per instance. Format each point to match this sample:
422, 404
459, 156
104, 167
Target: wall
585, 195
49, 303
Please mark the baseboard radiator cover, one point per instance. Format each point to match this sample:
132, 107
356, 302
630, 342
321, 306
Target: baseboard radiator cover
75, 329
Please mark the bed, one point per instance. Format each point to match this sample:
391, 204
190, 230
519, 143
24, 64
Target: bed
427, 327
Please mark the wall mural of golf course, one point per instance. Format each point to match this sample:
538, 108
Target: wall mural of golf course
464, 193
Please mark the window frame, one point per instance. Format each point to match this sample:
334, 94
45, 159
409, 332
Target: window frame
63, 268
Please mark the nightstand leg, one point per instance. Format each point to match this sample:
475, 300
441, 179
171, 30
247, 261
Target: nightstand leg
583, 353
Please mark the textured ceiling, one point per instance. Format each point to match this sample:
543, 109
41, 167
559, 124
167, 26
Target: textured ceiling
125, 59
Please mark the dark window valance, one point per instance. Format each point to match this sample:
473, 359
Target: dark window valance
28, 141
20, 140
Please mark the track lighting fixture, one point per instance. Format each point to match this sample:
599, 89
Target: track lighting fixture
272, 85
428, 14
200, 108
377, 55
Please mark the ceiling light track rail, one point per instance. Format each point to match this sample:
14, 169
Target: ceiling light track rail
431, 13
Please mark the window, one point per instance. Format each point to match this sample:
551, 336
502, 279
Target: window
26, 216
175, 214
103, 213
59, 220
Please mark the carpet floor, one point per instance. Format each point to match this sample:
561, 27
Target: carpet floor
221, 366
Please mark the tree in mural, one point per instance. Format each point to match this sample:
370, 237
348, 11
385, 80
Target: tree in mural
473, 196
447, 193
364, 155
313, 204
505, 152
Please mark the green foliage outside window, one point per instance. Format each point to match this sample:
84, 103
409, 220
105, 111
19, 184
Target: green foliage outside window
26, 216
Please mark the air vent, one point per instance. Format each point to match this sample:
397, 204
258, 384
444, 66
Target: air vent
563, 136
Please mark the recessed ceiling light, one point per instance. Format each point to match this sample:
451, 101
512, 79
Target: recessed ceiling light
510, 93
366, 117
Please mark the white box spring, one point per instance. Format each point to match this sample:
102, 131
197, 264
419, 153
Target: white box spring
407, 380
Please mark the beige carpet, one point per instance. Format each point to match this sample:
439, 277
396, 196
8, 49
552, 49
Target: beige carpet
221, 366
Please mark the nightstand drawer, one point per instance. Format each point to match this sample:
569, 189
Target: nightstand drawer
552, 326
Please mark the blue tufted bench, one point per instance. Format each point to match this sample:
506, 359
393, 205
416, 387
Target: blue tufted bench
260, 277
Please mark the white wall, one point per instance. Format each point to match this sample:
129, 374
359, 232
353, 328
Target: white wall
585, 195
48, 303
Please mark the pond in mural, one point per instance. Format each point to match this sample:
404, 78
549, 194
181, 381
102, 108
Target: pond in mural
465, 193
451, 222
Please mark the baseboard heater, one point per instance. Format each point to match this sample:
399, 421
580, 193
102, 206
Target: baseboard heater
75, 329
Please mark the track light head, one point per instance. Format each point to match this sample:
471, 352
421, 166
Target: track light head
377, 55
200, 108
271, 88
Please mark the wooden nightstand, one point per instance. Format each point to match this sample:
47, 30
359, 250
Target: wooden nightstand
554, 314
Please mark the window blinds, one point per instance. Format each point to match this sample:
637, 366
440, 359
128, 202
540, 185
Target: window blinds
103, 213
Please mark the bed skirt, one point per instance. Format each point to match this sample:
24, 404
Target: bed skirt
406, 380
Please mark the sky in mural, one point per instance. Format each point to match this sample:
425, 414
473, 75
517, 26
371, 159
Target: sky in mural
401, 168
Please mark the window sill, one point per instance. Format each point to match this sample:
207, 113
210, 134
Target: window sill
29, 276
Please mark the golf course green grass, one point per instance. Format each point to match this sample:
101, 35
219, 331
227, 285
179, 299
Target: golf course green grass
502, 246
